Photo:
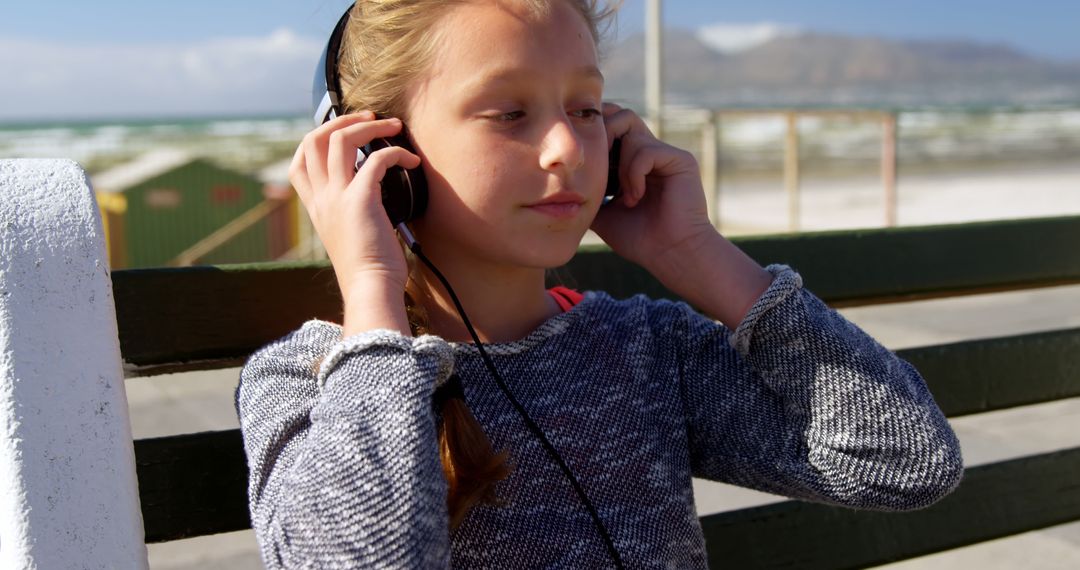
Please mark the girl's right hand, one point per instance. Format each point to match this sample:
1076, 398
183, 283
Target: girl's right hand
345, 205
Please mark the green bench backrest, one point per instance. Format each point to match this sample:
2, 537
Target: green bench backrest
213, 317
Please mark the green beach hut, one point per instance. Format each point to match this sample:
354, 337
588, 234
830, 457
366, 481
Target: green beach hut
163, 205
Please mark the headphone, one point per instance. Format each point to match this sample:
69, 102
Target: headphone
404, 191
405, 197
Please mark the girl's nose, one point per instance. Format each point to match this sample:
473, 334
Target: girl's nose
562, 147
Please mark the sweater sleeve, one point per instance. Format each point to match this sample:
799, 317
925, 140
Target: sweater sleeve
800, 402
342, 451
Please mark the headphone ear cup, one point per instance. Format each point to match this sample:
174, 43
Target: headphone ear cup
404, 191
612, 190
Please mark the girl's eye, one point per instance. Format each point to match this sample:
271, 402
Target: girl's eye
587, 114
508, 117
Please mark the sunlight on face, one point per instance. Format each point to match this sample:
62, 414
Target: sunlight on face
508, 126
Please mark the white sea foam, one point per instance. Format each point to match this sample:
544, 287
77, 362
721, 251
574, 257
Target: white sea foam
935, 134
239, 140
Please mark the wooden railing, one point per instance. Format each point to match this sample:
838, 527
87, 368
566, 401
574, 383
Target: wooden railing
710, 124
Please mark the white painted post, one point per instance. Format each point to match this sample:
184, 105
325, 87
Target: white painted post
888, 167
710, 157
654, 62
791, 171
68, 491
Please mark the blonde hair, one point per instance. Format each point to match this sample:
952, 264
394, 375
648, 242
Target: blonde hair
386, 46
388, 43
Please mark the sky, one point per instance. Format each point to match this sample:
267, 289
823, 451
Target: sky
125, 58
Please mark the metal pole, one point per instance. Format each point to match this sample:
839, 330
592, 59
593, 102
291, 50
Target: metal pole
791, 169
654, 91
888, 167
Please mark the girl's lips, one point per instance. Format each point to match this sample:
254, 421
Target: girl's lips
557, 210
562, 205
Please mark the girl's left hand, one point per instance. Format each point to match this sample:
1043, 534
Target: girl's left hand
662, 205
661, 222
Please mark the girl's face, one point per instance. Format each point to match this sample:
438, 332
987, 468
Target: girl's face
508, 125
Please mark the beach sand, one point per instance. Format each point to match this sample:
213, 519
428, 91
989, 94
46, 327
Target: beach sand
991, 193
203, 401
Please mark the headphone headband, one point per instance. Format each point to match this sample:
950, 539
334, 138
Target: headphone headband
326, 87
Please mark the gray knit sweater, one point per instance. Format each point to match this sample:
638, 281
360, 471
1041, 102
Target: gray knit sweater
638, 396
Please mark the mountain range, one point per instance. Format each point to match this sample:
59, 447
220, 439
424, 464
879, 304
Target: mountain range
817, 69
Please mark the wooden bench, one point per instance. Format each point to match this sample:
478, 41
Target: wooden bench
172, 320
195, 484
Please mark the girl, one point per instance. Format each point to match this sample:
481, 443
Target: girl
374, 443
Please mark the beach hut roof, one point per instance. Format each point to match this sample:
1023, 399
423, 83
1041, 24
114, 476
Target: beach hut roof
276, 174
143, 168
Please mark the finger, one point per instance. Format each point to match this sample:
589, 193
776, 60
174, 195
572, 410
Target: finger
642, 163
298, 178
317, 141
609, 108
338, 122
374, 169
345, 141
623, 122
616, 124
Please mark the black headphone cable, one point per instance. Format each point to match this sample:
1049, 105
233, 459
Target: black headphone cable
414, 246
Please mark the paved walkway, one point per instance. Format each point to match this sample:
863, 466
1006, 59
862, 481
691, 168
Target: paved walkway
858, 202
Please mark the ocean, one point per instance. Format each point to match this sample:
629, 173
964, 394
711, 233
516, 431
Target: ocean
928, 137
245, 143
